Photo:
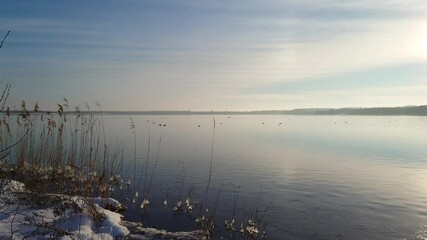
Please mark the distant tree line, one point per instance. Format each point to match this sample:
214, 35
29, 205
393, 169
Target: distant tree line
386, 111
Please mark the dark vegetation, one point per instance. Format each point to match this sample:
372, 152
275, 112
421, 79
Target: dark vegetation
378, 111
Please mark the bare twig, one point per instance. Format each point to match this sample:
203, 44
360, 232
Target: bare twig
16, 143
145, 170
205, 196
155, 165
6, 90
4, 96
7, 34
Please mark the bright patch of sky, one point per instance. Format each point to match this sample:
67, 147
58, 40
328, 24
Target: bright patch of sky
217, 55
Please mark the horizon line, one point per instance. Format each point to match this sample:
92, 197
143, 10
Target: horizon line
310, 110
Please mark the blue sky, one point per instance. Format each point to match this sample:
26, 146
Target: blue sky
217, 55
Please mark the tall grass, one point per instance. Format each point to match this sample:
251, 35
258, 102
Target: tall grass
59, 152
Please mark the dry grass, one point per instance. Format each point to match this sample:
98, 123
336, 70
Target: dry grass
59, 155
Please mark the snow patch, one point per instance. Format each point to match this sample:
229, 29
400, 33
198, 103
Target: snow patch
140, 232
109, 203
19, 220
12, 186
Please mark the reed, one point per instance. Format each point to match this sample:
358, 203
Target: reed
146, 201
144, 171
58, 152
132, 127
205, 196
180, 188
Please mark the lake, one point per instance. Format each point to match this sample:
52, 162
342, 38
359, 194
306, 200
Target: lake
317, 177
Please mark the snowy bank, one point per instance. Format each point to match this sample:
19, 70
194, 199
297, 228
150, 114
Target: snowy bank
21, 217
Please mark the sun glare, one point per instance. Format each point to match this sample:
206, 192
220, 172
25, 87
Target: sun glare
423, 48
421, 41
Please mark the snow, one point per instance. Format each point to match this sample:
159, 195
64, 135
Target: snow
139, 232
12, 186
19, 219
18, 222
108, 203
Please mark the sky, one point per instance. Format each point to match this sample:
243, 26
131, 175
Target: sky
214, 55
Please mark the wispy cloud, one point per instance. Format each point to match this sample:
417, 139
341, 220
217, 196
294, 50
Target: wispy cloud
222, 55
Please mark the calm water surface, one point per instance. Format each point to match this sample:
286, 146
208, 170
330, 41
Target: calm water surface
321, 177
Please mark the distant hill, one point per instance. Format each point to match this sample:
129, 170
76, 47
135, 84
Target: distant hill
381, 111
378, 111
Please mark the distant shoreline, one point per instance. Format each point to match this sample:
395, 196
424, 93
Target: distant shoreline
374, 111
